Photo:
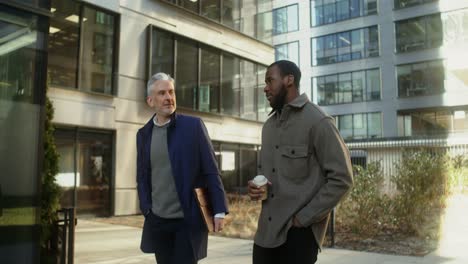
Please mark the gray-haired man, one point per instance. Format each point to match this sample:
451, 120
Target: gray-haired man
174, 156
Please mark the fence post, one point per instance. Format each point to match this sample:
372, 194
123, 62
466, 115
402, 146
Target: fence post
71, 235
332, 227
1, 201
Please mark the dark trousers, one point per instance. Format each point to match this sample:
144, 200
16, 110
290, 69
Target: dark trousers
171, 240
300, 248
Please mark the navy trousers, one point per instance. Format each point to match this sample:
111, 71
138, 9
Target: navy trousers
300, 248
171, 240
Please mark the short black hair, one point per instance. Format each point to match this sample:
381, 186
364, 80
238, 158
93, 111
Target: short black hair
288, 67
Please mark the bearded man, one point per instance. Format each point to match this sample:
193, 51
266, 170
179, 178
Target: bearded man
308, 168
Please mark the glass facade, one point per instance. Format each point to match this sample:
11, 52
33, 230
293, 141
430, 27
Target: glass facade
348, 87
285, 19
237, 164
288, 51
82, 47
360, 126
263, 106
251, 17
85, 170
345, 46
418, 79
409, 3
264, 27
433, 122
208, 79
331, 11
23, 51
419, 33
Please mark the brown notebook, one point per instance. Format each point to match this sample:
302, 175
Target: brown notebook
203, 201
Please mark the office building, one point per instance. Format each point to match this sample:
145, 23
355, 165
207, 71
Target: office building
383, 69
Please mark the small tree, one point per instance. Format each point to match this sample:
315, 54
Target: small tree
50, 191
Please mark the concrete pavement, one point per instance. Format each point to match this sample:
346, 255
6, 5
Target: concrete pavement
99, 243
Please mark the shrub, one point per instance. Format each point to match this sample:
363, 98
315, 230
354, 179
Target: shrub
50, 191
421, 186
364, 210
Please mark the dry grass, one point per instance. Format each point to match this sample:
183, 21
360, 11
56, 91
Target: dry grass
242, 219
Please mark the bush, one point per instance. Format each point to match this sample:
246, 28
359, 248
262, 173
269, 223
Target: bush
458, 174
421, 187
50, 191
364, 210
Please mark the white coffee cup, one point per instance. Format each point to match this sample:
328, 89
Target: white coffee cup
262, 182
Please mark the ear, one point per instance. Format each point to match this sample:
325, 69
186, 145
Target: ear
149, 101
290, 80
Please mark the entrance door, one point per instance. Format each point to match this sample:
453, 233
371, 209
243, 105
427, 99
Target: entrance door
85, 170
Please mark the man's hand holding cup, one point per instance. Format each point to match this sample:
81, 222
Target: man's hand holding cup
258, 188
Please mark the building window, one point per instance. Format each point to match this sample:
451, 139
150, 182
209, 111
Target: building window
360, 126
231, 13
345, 46
186, 72
285, 19
82, 47
264, 26
230, 86
263, 106
348, 87
211, 9
208, 95
419, 79
208, 79
250, 17
162, 52
237, 164
408, 3
85, 169
433, 122
331, 11
419, 33
288, 51
248, 78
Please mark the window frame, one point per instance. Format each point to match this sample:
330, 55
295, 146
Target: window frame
150, 28
365, 45
425, 20
365, 90
274, 31
426, 63
335, 3
80, 45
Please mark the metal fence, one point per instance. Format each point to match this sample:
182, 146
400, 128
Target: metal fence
63, 239
388, 152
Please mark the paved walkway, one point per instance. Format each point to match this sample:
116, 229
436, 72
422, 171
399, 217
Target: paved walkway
100, 243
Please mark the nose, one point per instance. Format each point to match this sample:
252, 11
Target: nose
168, 96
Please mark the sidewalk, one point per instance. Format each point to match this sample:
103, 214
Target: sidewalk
101, 243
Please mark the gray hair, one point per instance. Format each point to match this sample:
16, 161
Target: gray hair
158, 76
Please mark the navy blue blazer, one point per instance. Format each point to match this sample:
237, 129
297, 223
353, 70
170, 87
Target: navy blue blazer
193, 164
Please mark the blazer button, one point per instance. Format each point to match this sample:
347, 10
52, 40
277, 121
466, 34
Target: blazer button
276, 147
259, 166
292, 151
269, 218
272, 195
273, 170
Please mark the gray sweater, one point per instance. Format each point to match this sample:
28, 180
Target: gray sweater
164, 196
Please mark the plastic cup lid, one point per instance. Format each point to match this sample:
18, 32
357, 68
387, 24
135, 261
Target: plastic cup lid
260, 180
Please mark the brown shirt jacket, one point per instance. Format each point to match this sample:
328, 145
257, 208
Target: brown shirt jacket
308, 164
